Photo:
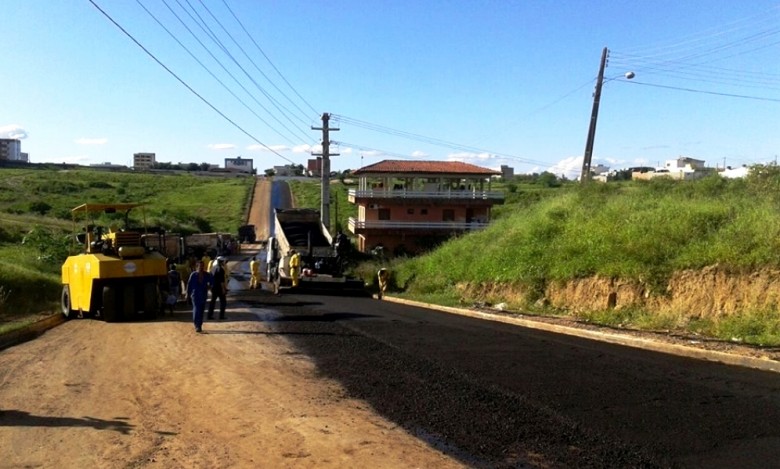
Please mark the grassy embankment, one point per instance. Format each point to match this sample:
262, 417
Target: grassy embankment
307, 194
640, 231
36, 226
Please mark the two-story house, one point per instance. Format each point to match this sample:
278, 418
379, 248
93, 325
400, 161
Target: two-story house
411, 206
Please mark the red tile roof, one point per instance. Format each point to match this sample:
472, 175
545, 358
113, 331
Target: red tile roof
425, 167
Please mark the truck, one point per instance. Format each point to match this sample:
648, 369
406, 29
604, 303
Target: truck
114, 276
246, 234
322, 264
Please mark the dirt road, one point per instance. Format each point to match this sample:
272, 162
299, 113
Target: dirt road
92, 394
155, 394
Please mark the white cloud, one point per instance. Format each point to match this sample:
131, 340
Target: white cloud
345, 150
420, 154
276, 148
305, 148
468, 157
221, 146
569, 167
12, 131
91, 141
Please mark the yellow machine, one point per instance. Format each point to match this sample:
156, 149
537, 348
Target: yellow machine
115, 277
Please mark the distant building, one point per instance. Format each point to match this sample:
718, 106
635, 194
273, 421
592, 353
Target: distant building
107, 165
286, 170
684, 164
239, 165
10, 149
314, 167
732, 173
143, 161
507, 172
682, 168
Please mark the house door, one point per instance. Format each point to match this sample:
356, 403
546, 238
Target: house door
469, 215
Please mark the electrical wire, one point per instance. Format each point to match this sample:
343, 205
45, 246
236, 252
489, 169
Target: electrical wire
242, 102
224, 68
270, 62
279, 107
730, 95
431, 140
180, 80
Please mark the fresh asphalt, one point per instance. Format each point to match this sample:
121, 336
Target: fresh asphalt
493, 393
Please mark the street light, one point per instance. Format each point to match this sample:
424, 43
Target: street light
585, 174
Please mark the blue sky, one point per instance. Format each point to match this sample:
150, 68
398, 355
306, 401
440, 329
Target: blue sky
487, 82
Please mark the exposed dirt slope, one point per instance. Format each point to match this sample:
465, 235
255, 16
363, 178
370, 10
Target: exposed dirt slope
708, 293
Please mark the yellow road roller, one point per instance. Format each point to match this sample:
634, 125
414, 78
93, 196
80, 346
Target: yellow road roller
115, 277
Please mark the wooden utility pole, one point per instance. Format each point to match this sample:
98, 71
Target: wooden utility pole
594, 115
325, 169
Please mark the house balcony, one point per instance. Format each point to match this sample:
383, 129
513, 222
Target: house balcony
358, 226
447, 195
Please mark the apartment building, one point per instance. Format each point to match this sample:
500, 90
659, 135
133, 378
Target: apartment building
411, 206
143, 161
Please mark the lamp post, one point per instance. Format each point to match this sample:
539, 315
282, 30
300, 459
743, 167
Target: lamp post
594, 115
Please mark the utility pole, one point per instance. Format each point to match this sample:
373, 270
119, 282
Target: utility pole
325, 169
594, 115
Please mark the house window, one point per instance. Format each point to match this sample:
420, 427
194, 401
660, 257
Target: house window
423, 211
448, 214
410, 211
384, 213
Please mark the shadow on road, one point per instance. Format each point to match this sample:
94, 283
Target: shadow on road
18, 418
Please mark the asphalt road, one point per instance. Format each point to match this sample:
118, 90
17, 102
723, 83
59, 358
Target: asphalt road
496, 395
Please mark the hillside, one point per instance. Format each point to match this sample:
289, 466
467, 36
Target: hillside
698, 257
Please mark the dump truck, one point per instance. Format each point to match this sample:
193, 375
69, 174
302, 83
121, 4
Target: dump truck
247, 234
115, 276
321, 263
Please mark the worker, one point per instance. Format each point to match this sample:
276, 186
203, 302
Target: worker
295, 267
207, 261
197, 290
272, 264
254, 269
383, 276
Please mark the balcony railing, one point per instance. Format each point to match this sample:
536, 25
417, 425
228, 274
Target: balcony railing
409, 194
414, 225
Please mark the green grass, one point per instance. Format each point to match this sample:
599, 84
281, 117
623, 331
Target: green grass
644, 231
640, 231
308, 194
36, 225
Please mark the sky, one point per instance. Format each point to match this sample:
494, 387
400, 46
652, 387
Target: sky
488, 82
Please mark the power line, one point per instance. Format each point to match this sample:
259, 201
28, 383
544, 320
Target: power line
730, 95
270, 62
279, 107
432, 140
132, 38
209, 71
209, 33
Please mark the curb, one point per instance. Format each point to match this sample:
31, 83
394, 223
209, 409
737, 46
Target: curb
763, 364
30, 331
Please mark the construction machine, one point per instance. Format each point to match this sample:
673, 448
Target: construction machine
322, 262
115, 276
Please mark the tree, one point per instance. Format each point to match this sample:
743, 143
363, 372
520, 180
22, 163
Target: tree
548, 179
41, 208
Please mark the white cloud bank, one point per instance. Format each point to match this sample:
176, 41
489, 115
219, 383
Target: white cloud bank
570, 167
13, 131
221, 146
